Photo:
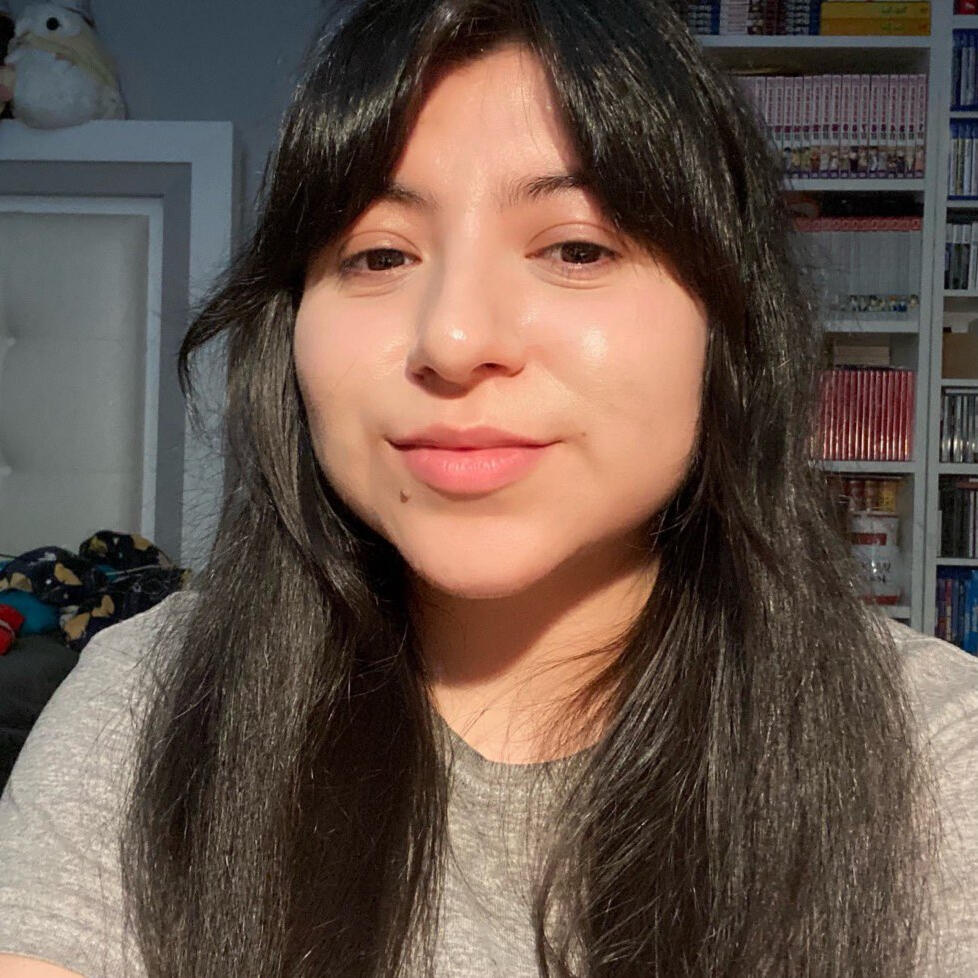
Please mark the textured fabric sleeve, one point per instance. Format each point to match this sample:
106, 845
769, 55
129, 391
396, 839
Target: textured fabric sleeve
60, 813
944, 689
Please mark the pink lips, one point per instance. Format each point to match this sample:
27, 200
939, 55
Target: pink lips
468, 461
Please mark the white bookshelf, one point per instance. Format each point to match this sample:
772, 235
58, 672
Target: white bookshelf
913, 337
946, 303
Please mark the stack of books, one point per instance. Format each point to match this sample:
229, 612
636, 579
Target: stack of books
844, 125
863, 264
961, 255
964, 77
962, 171
866, 414
753, 16
959, 517
959, 425
957, 607
867, 17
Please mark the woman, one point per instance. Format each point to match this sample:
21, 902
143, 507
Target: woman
525, 647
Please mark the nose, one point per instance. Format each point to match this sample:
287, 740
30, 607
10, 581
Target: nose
467, 330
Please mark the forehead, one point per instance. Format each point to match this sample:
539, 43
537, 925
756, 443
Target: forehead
492, 120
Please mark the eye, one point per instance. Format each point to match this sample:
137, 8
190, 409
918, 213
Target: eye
52, 23
372, 260
576, 257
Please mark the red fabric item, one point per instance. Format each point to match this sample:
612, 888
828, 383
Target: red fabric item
10, 621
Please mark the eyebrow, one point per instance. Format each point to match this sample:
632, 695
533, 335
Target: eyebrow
514, 193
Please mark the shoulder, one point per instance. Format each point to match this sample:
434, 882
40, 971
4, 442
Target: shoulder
942, 681
114, 670
61, 811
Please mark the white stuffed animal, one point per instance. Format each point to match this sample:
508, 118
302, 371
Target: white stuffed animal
63, 75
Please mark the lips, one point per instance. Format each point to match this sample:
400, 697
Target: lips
469, 461
441, 436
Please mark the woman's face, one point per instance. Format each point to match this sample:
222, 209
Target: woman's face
496, 381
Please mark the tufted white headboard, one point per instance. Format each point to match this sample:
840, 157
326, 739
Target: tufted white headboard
73, 306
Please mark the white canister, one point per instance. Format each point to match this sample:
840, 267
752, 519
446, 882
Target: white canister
873, 539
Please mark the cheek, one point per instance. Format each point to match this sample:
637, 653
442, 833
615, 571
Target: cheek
335, 372
635, 358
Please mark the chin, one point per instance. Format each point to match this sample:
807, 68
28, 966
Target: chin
478, 576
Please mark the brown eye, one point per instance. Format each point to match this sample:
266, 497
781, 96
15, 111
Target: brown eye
373, 260
581, 252
382, 259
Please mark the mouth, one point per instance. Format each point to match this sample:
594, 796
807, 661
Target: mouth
471, 471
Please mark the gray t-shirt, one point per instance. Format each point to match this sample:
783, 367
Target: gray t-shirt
60, 891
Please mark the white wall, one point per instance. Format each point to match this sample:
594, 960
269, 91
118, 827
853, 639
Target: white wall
212, 60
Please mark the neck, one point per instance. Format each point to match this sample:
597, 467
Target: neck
503, 669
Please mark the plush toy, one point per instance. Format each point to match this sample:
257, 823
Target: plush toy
63, 74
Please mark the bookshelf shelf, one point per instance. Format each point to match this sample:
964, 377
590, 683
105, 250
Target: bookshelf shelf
872, 326
957, 468
958, 561
966, 21
817, 42
964, 113
849, 185
959, 382
962, 203
867, 467
960, 294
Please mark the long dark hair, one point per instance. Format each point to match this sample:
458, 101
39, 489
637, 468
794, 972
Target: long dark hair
753, 806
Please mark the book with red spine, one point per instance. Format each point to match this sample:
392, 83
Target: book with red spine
877, 416
849, 451
908, 398
889, 416
900, 418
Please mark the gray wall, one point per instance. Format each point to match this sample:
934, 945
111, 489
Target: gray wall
211, 60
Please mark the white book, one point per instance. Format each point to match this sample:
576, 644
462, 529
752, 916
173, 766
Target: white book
835, 126
965, 254
792, 125
969, 160
887, 127
902, 272
915, 263
973, 257
777, 112
846, 113
863, 108
825, 124
948, 239
920, 117
905, 150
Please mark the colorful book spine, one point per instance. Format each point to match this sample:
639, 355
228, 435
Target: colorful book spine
828, 126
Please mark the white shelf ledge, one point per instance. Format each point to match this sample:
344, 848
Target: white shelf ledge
872, 326
957, 561
849, 185
794, 42
957, 468
858, 466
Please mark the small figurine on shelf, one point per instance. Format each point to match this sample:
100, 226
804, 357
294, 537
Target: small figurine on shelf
63, 75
